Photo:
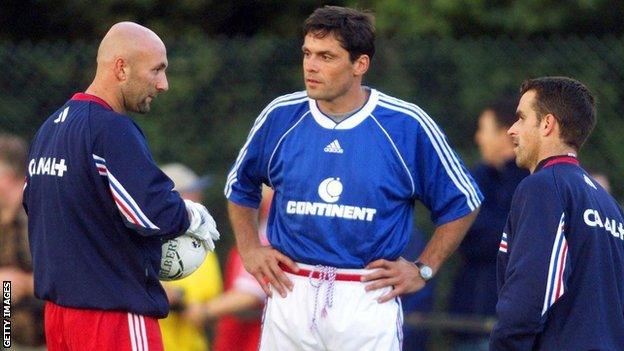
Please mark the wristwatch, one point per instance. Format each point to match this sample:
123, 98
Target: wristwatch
426, 273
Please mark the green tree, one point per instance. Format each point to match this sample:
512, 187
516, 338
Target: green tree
515, 18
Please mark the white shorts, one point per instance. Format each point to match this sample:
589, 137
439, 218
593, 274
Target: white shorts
331, 311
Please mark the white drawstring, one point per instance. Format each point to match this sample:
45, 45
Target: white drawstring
326, 275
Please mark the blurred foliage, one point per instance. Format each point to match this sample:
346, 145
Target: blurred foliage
514, 18
37, 20
217, 87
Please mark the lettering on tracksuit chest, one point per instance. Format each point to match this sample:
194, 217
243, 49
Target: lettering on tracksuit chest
336, 175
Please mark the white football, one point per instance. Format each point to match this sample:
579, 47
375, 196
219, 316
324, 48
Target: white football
181, 256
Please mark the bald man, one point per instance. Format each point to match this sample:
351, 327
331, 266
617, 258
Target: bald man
99, 207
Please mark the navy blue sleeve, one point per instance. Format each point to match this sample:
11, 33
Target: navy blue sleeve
444, 185
141, 191
482, 239
536, 265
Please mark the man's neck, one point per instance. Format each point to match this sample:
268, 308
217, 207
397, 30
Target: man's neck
553, 151
112, 98
353, 100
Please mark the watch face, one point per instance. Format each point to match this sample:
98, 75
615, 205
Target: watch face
426, 272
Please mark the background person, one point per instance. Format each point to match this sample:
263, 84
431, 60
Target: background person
203, 285
474, 285
239, 308
15, 260
416, 338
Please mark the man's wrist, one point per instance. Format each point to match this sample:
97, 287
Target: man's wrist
425, 271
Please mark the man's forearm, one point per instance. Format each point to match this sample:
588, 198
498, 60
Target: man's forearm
445, 240
244, 221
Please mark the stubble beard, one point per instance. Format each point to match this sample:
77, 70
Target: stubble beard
133, 101
143, 107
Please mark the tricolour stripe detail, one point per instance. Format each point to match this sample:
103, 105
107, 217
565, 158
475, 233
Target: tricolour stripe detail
133, 341
503, 244
291, 99
398, 154
278, 144
447, 156
125, 203
556, 269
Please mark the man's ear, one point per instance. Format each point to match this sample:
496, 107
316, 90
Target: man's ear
549, 124
360, 65
121, 69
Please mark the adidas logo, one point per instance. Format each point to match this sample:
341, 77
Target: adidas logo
334, 147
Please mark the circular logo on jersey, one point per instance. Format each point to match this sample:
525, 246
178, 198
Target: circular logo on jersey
330, 189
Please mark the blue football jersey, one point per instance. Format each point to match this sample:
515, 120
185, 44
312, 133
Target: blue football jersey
344, 192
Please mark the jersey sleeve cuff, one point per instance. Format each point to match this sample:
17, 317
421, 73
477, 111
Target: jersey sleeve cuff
452, 216
242, 201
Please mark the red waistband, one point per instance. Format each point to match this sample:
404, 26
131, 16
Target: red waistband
316, 274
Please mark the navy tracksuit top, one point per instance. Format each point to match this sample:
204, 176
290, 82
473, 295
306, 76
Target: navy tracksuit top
561, 264
98, 209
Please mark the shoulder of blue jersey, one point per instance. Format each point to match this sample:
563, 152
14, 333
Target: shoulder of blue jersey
113, 121
537, 183
295, 98
403, 110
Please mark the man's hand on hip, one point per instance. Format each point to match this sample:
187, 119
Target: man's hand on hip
401, 274
263, 263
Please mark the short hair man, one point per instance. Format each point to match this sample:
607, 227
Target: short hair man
474, 286
99, 207
346, 163
561, 282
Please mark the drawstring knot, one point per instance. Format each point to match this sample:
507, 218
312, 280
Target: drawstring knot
327, 277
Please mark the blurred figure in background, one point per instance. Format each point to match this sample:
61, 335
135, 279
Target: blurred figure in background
239, 308
602, 179
15, 259
180, 333
474, 288
416, 338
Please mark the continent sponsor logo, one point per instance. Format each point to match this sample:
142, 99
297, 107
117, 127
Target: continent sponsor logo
47, 166
593, 219
329, 191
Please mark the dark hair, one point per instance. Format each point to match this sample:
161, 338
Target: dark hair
354, 30
569, 101
504, 109
13, 153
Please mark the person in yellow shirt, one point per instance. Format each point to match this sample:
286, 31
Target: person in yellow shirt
179, 333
